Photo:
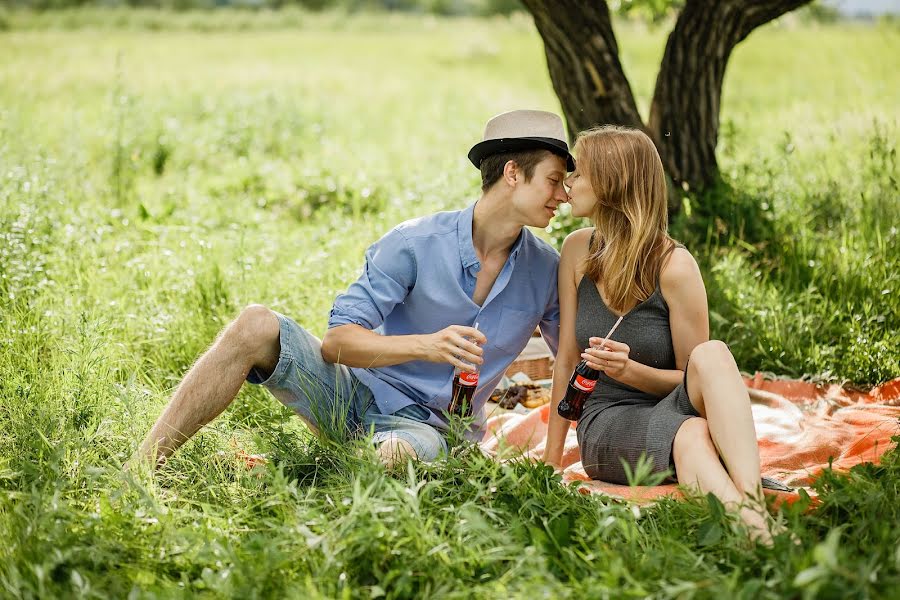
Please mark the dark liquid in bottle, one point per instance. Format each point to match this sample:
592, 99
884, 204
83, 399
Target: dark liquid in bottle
580, 387
464, 385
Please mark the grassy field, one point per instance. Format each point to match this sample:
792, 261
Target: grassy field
156, 178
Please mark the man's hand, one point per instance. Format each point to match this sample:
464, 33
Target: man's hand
450, 346
608, 356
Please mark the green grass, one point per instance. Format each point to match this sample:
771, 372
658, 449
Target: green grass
154, 182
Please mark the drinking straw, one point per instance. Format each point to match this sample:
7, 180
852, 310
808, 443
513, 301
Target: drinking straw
611, 331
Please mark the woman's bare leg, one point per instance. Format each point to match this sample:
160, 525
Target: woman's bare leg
697, 465
717, 391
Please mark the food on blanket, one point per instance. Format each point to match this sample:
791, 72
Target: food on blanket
537, 397
529, 395
509, 397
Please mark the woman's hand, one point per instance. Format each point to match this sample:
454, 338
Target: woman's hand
550, 461
608, 356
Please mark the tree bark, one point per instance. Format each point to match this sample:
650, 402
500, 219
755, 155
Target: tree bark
684, 113
583, 59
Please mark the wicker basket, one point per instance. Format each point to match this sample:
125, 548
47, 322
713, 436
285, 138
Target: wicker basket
535, 368
536, 360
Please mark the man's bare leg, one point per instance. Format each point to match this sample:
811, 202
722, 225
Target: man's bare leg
250, 341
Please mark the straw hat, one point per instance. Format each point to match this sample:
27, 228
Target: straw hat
523, 130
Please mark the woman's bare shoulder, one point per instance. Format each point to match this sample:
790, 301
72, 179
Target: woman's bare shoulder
573, 252
680, 272
576, 243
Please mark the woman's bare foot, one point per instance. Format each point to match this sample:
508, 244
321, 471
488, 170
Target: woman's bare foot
759, 524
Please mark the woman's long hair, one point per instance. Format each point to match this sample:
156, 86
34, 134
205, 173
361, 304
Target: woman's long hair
631, 219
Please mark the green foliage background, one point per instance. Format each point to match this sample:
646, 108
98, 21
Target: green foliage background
439, 7
160, 171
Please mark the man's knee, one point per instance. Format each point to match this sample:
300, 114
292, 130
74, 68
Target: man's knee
256, 331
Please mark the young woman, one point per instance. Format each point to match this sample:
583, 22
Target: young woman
665, 390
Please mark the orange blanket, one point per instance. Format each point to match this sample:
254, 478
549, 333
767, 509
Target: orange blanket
800, 427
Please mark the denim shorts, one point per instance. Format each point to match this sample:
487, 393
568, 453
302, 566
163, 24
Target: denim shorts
330, 398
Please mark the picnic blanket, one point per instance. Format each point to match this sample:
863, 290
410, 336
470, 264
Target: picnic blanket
800, 427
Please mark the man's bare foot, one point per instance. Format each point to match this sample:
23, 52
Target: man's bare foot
394, 452
140, 460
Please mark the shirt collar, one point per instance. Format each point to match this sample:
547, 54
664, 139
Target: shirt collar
467, 246
464, 233
517, 246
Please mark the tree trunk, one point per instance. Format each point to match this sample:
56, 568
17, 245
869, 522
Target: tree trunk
684, 114
583, 59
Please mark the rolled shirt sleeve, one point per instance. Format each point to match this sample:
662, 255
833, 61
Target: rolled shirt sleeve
388, 276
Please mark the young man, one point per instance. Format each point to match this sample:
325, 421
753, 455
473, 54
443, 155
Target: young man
407, 322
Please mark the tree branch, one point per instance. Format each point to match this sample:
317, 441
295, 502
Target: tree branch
684, 113
583, 60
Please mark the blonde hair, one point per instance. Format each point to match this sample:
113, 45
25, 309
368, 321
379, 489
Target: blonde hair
630, 216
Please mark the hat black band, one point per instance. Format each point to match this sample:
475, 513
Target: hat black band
482, 150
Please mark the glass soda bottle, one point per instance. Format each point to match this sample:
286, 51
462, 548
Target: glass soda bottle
581, 384
464, 385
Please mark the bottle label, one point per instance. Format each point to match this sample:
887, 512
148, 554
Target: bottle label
468, 379
584, 384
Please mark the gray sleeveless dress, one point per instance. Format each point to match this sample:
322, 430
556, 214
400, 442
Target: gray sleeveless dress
619, 421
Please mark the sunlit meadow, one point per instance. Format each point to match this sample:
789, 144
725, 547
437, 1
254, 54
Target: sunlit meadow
161, 171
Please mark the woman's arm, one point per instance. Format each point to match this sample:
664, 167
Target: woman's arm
574, 249
682, 287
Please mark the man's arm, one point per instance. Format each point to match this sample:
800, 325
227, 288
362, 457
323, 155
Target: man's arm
387, 279
356, 346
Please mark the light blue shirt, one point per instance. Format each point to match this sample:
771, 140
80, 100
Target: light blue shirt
420, 278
